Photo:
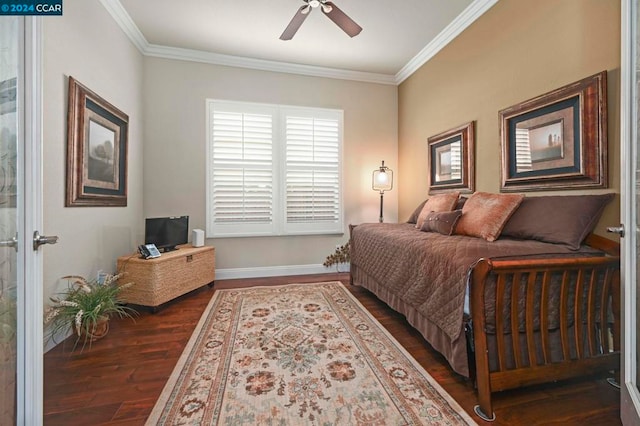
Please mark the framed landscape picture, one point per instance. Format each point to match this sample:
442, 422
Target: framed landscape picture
96, 150
451, 160
557, 140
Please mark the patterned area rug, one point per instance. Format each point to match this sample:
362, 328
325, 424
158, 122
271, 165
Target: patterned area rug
303, 354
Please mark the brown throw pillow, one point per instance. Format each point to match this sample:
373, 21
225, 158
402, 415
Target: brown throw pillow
484, 215
437, 203
414, 216
460, 203
442, 222
559, 219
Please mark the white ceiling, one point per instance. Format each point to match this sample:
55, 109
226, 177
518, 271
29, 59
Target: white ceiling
397, 35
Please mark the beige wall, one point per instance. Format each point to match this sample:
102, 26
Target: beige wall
516, 51
87, 44
175, 137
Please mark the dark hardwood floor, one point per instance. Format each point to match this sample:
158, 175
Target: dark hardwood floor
118, 379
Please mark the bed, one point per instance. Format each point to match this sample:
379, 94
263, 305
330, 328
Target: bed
469, 296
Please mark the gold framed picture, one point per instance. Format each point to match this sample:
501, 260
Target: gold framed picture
96, 150
557, 140
451, 160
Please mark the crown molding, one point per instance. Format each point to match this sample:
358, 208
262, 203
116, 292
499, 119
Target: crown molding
122, 18
475, 10
265, 65
466, 18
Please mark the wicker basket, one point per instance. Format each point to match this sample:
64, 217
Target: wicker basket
157, 281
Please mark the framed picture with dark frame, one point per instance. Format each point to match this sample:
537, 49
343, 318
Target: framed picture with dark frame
557, 140
8, 137
451, 160
96, 150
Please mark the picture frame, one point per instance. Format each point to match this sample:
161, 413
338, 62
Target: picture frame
557, 140
8, 140
97, 140
451, 160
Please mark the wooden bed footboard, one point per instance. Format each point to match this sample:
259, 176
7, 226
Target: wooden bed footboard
553, 319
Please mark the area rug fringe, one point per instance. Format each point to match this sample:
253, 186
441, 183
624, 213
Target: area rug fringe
294, 395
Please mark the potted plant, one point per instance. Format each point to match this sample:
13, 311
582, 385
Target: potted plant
86, 308
340, 255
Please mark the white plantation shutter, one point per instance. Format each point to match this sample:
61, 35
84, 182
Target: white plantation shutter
273, 170
312, 171
241, 170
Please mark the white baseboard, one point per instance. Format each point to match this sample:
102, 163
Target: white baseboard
275, 271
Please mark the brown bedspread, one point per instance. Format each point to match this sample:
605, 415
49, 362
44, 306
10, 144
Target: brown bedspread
428, 271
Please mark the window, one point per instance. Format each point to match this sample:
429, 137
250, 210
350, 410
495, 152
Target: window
273, 170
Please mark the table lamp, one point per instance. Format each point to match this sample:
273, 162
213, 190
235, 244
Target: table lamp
382, 180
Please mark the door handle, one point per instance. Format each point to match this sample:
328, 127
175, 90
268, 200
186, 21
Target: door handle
13, 242
39, 240
616, 230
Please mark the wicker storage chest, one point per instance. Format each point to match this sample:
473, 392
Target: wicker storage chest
157, 281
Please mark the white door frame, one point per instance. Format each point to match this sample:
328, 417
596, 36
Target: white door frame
630, 396
30, 364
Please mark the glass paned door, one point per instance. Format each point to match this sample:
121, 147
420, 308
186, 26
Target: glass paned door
630, 196
10, 132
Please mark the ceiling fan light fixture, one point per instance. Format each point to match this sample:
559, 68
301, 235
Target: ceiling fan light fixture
330, 10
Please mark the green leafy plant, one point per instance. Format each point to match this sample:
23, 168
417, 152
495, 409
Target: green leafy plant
340, 255
85, 307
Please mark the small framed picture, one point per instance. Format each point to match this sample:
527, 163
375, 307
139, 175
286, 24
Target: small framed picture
451, 160
96, 150
557, 140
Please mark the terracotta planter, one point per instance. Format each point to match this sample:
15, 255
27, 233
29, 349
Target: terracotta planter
97, 332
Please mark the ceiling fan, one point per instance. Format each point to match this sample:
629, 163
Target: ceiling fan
328, 8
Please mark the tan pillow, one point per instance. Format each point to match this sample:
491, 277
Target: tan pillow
438, 203
484, 215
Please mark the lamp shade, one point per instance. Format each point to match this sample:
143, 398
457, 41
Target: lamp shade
382, 179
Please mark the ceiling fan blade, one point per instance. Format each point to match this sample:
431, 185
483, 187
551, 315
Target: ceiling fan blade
296, 22
341, 19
